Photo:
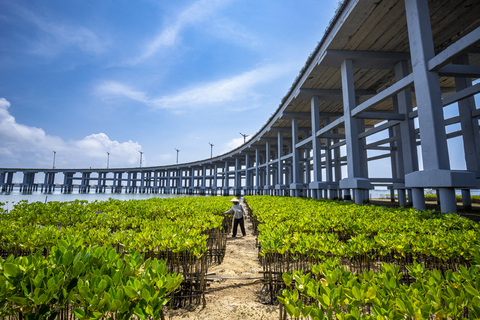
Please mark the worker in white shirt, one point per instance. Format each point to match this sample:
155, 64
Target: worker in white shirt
238, 214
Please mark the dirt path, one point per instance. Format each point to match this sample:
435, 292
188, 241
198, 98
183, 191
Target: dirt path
234, 299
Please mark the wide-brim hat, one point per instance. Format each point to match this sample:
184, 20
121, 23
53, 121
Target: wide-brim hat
234, 200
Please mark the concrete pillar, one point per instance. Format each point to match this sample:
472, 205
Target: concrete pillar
296, 184
280, 155
469, 124
418, 198
257, 172
268, 180
402, 198
430, 114
238, 178
316, 147
355, 156
466, 199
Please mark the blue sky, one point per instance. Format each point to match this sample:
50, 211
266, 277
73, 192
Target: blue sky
85, 78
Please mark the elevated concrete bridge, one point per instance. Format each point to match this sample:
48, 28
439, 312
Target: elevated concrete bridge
382, 66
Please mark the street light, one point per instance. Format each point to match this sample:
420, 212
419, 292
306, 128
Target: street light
211, 150
54, 153
177, 154
141, 154
108, 158
244, 137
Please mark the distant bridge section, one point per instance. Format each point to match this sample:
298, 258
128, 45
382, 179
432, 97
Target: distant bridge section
384, 68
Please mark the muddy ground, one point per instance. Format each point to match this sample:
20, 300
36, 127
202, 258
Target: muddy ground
234, 299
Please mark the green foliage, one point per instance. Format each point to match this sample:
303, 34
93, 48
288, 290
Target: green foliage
156, 224
323, 228
336, 293
95, 279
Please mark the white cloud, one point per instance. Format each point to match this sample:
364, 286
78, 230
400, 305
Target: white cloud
24, 146
239, 91
198, 11
57, 35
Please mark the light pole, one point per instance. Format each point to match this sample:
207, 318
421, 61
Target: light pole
108, 158
141, 154
54, 153
211, 150
177, 154
244, 137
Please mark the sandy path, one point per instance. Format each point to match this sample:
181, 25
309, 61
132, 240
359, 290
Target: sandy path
234, 299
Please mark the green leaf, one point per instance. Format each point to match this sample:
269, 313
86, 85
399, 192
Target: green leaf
306, 310
146, 294
18, 300
472, 291
371, 293
78, 268
290, 310
139, 313
10, 270
115, 305
102, 285
356, 293
131, 292
112, 255
67, 258
79, 313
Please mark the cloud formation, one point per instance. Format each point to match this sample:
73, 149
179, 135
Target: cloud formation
24, 146
235, 91
168, 36
56, 36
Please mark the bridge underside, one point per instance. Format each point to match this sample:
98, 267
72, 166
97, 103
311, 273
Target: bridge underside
374, 88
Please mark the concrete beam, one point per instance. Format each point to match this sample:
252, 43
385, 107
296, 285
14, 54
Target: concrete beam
459, 70
330, 126
363, 59
304, 142
465, 93
381, 116
454, 50
328, 95
385, 94
380, 142
378, 129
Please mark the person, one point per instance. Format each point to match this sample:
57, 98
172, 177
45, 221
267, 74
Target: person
238, 214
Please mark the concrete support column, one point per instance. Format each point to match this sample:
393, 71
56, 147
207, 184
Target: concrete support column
238, 179
296, 184
215, 172
355, 157
257, 172
280, 164
406, 158
204, 177
316, 183
268, 180
469, 124
430, 114
418, 198
466, 199
402, 197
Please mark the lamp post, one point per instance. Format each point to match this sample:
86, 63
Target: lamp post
244, 137
54, 153
211, 150
141, 154
177, 154
108, 158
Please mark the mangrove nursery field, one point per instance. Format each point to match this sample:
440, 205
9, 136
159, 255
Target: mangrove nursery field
337, 260
112, 259
321, 259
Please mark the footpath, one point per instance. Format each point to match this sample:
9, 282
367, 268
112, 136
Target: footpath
234, 298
